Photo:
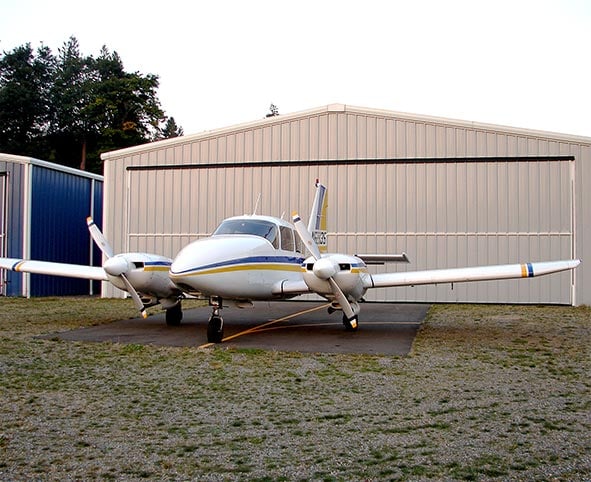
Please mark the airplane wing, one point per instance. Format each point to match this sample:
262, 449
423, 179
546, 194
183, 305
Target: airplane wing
459, 275
55, 269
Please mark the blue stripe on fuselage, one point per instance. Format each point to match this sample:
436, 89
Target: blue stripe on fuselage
249, 260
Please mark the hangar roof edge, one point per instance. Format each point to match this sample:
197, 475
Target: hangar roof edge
48, 165
335, 108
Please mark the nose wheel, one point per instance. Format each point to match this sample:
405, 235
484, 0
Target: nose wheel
351, 324
215, 327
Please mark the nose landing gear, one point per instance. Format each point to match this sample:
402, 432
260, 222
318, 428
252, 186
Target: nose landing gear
215, 327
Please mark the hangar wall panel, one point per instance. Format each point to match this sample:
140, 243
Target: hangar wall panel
45, 208
450, 193
60, 204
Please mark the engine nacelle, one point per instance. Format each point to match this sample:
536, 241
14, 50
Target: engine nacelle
148, 274
347, 271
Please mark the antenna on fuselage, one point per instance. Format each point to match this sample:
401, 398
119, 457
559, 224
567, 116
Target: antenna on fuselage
256, 206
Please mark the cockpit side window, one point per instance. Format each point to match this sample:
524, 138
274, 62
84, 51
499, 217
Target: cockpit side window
255, 227
287, 240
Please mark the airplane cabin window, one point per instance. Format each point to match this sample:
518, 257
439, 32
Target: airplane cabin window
255, 227
287, 238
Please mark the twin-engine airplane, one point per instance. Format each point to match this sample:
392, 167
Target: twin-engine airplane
253, 257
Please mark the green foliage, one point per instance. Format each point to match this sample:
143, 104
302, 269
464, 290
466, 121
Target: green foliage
24, 98
171, 129
69, 108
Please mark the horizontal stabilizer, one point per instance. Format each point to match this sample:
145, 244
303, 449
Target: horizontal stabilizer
384, 258
54, 269
459, 275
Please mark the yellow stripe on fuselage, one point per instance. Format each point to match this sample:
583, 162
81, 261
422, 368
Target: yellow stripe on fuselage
524, 271
156, 268
245, 267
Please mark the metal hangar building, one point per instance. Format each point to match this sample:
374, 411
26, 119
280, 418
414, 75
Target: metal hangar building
43, 211
449, 193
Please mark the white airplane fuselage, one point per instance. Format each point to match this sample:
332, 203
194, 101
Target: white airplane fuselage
235, 267
240, 265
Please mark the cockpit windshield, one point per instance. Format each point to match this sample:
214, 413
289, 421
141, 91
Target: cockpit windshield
256, 227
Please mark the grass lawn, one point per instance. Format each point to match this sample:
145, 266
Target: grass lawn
488, 392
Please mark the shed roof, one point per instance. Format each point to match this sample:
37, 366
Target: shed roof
48, 165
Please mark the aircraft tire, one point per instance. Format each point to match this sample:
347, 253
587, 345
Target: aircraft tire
215, 330
174, 315
350, 324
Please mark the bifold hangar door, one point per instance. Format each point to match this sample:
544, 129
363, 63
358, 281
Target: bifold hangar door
442, 212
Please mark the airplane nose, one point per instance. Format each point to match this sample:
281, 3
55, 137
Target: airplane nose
204, 255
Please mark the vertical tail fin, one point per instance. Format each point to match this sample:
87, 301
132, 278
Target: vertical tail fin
317, 223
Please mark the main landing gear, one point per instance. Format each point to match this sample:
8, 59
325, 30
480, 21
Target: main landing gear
215, 327
174, 315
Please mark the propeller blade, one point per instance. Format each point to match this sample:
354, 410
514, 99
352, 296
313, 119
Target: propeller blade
341, 298
115, 266
323, 271
305, 236
99, 238
134, 296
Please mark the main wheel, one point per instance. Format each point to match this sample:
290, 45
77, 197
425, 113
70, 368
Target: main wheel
215, 329
351, 324
174, 315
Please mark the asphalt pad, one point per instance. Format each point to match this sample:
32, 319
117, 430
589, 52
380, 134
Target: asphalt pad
300, 326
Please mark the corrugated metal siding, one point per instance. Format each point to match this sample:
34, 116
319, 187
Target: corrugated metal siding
14, 222
443, 214
410, 196
46, 209
97, 215
60, 204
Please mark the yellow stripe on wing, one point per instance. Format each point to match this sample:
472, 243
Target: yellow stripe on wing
17, 266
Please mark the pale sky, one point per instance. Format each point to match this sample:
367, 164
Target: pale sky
521, 63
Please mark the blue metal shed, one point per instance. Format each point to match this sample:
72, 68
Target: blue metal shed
43, 210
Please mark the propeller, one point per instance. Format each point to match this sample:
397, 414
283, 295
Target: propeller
325, 269
115, 266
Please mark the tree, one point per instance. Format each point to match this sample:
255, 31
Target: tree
125, 105
171, 129
273, 111
24, 99
100, 106
69, 108
71, 93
